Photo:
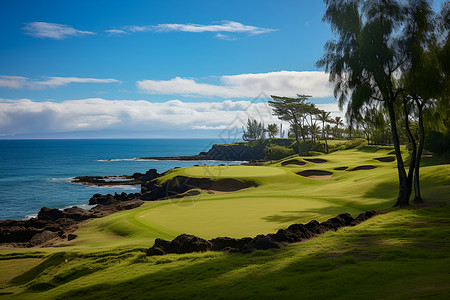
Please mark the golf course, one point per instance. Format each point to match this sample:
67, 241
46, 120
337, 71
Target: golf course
401, 253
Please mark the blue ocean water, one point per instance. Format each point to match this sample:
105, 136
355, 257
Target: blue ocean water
36, 173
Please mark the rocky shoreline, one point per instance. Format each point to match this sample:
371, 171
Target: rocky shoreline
53, 225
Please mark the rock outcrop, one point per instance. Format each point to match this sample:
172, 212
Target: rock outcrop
54, 223
185, 243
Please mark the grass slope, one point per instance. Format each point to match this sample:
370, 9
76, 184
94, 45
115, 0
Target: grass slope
400, 255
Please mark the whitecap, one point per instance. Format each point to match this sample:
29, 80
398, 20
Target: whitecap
121, 187
61, 179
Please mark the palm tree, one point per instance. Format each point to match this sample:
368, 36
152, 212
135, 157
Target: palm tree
338, 121
324, 117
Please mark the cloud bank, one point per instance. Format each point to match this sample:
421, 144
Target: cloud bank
19, 82
52, 30
26, 116
285, 83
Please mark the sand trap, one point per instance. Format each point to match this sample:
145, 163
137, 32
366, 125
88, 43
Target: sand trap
365, 167
340, 168
293, 162
386, 159
316, 174
316, 160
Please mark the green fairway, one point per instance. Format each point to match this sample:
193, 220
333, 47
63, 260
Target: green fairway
281, 198
408, 246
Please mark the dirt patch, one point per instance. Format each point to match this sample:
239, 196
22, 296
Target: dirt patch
316, 160
340, 168
293, 162
386, 159
316, 174
365, 167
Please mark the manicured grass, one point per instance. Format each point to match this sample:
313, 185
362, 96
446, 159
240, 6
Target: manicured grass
403, 254
282, 198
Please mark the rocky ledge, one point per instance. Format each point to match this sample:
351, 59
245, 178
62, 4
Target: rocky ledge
55, 224
185, 243
135, 179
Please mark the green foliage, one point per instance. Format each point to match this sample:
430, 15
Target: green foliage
272, 130
254, 131
347, 145
277, 152
438, 143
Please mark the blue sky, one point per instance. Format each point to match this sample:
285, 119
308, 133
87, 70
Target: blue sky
153, 68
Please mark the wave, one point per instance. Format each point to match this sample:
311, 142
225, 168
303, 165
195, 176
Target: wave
119, 159
83, 206
121, 187
61, 179
27, 217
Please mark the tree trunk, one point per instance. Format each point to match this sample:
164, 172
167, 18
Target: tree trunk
411, 139
417, 196
324, 137
402, 198
296, 137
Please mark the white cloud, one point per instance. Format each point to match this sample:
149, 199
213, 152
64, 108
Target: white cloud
225, 37
115, 31
52, 30
19, 82
26, 116
224, 26
12, 82
284, 83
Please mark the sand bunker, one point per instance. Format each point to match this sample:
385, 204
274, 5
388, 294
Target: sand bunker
365, 167
340, 168
386, 159
230, 185
316, 160
293, 162
316, 174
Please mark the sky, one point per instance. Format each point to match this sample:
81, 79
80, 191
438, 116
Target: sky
155, 69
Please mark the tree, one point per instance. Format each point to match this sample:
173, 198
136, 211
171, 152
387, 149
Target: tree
339, 122
254, 131
324, 117
292, 111
365, 59
272, 130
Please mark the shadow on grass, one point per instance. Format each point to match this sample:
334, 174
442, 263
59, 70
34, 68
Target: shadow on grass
299, 216
50, 262
373, 149
340, 265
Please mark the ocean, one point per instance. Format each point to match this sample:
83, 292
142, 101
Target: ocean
36, 173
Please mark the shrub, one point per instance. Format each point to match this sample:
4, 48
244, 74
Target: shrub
276, 152
351, 144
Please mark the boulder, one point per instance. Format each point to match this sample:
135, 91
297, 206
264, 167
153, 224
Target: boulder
77, 213
42, 237
315, 227
71, 236
221, 243
50, 214
157, 192
260, 242
186, 243
364, 216
338, 221
149, 175
183, 243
